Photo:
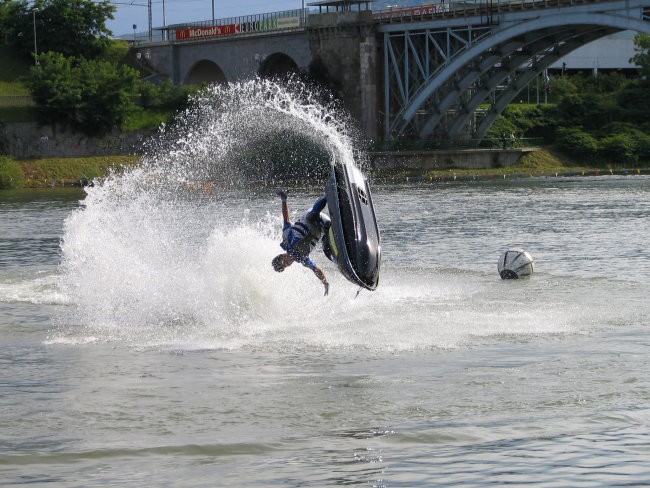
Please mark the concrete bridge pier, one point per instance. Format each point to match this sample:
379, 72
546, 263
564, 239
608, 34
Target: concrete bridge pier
346, 45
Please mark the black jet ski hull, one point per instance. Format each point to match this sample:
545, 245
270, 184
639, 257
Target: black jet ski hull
353, 239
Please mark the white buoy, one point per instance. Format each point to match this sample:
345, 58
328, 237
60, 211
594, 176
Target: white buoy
515, 264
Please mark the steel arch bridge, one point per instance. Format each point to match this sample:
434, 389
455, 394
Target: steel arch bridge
438, 70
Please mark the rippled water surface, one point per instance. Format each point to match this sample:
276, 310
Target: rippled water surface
147, 341
196, 365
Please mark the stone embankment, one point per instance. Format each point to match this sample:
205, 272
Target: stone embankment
29, 140
448, 159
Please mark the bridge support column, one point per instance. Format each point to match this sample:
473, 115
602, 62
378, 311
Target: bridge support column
346, 44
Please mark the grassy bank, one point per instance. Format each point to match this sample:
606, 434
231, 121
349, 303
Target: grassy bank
537, 164
49, 172
57, 172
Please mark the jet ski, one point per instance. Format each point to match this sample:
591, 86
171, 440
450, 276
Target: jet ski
352, 241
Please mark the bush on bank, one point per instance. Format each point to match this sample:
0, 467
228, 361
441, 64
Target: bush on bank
40, 173
11, 175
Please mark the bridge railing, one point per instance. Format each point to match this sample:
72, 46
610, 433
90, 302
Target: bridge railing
431, 145
283, 20
468, 9
16, 101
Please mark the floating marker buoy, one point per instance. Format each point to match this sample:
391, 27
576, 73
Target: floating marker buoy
515, 264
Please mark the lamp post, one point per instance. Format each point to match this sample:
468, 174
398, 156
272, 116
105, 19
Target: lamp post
135, 26
164, 32
34, 10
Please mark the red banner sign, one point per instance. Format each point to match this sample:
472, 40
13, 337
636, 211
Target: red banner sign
209, 31
260, 25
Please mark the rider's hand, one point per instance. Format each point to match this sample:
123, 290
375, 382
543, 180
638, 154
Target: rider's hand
281, 194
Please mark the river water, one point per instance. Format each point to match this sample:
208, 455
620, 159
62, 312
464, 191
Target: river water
203, 367
147, 341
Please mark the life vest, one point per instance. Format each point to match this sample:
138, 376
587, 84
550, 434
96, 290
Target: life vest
307, 231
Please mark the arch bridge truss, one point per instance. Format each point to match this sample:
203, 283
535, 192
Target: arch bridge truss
441, 73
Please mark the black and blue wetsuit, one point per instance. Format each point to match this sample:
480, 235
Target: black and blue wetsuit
300, 239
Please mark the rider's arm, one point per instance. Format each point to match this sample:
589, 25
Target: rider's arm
318, 272
321, 276
285, 211
285, 208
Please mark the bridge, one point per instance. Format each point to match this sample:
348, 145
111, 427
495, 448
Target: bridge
437, 72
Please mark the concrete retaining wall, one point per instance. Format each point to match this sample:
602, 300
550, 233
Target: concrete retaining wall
27, 140
448, 159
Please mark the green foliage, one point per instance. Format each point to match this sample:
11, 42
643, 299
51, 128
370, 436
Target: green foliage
502, 127
150, 119
90, 96
642, 56
12, 65
617, 148
533, 120
540, 161
624, 142
11, 176
589, 110
18, 114
602, 84
117, 51
40, 172
643, 147
577, 143
562, 86
69, 27
634, 100
165, 95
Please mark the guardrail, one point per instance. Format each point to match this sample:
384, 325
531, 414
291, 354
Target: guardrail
486, 143
16, 101
247, 24
469, 9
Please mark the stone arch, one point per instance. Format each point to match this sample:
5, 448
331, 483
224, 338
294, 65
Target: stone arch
519, 43
205, 71
278, 65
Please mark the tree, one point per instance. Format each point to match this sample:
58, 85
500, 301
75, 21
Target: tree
576, 143
618, 148
70, 27
642, 56
634, 101
91, 96
588, 110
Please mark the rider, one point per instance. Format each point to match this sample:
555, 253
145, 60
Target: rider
300, 239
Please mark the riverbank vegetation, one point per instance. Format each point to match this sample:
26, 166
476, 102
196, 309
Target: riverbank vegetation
65, 172
92, 85
58, 172
542, 163
595, 120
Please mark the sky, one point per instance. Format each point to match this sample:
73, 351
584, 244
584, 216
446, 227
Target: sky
129, 12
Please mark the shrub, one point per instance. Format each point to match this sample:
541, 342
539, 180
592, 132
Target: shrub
562, 86
589, 110
90, 96
576, 143
643, 147
502, 126
618, 148
11, 175
634, 101
165, 95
